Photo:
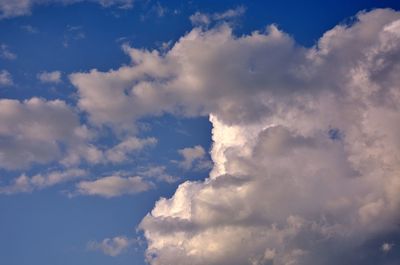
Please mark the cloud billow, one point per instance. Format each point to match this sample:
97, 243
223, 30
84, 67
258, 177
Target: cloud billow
282, 190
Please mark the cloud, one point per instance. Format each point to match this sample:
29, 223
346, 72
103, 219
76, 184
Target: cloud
111, 246
38, 131
113, 186
73, 33
204, 19
24, 183
194, 158
305, 140
120, 152
16, 8
5, 53
50, 77
158, 173
5, 78
126, 107
183, 82
30, 29
386, 247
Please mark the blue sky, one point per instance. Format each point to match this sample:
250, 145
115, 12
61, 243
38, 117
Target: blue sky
108, 106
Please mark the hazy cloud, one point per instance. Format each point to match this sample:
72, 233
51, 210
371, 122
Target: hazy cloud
30, 29
6, 53
50, 77
386, 247
25, 183
14, 8
158, 173
120, 152
5, 78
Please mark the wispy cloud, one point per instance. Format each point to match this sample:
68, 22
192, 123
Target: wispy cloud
204, 19
6, 53
120, 152
30, 29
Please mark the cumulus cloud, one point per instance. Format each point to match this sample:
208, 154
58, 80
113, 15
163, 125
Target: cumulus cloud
194, 158
38, 131
113, 186
111, 246
183, 81
24, 183
5, 78
14, 8
50, 77
305, 140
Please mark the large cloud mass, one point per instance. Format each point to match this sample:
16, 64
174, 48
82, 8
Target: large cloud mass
306, 147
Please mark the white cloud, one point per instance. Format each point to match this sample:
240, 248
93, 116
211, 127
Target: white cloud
14, 8
182, 81
125, 108
113, 186
112, 246
5, 53
50, 77
38, 131
24, 183
204, 19
5, 78
194, 158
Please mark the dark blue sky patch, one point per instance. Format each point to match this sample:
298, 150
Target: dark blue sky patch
335, 134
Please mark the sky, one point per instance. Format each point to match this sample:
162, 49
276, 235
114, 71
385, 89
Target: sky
199, 132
